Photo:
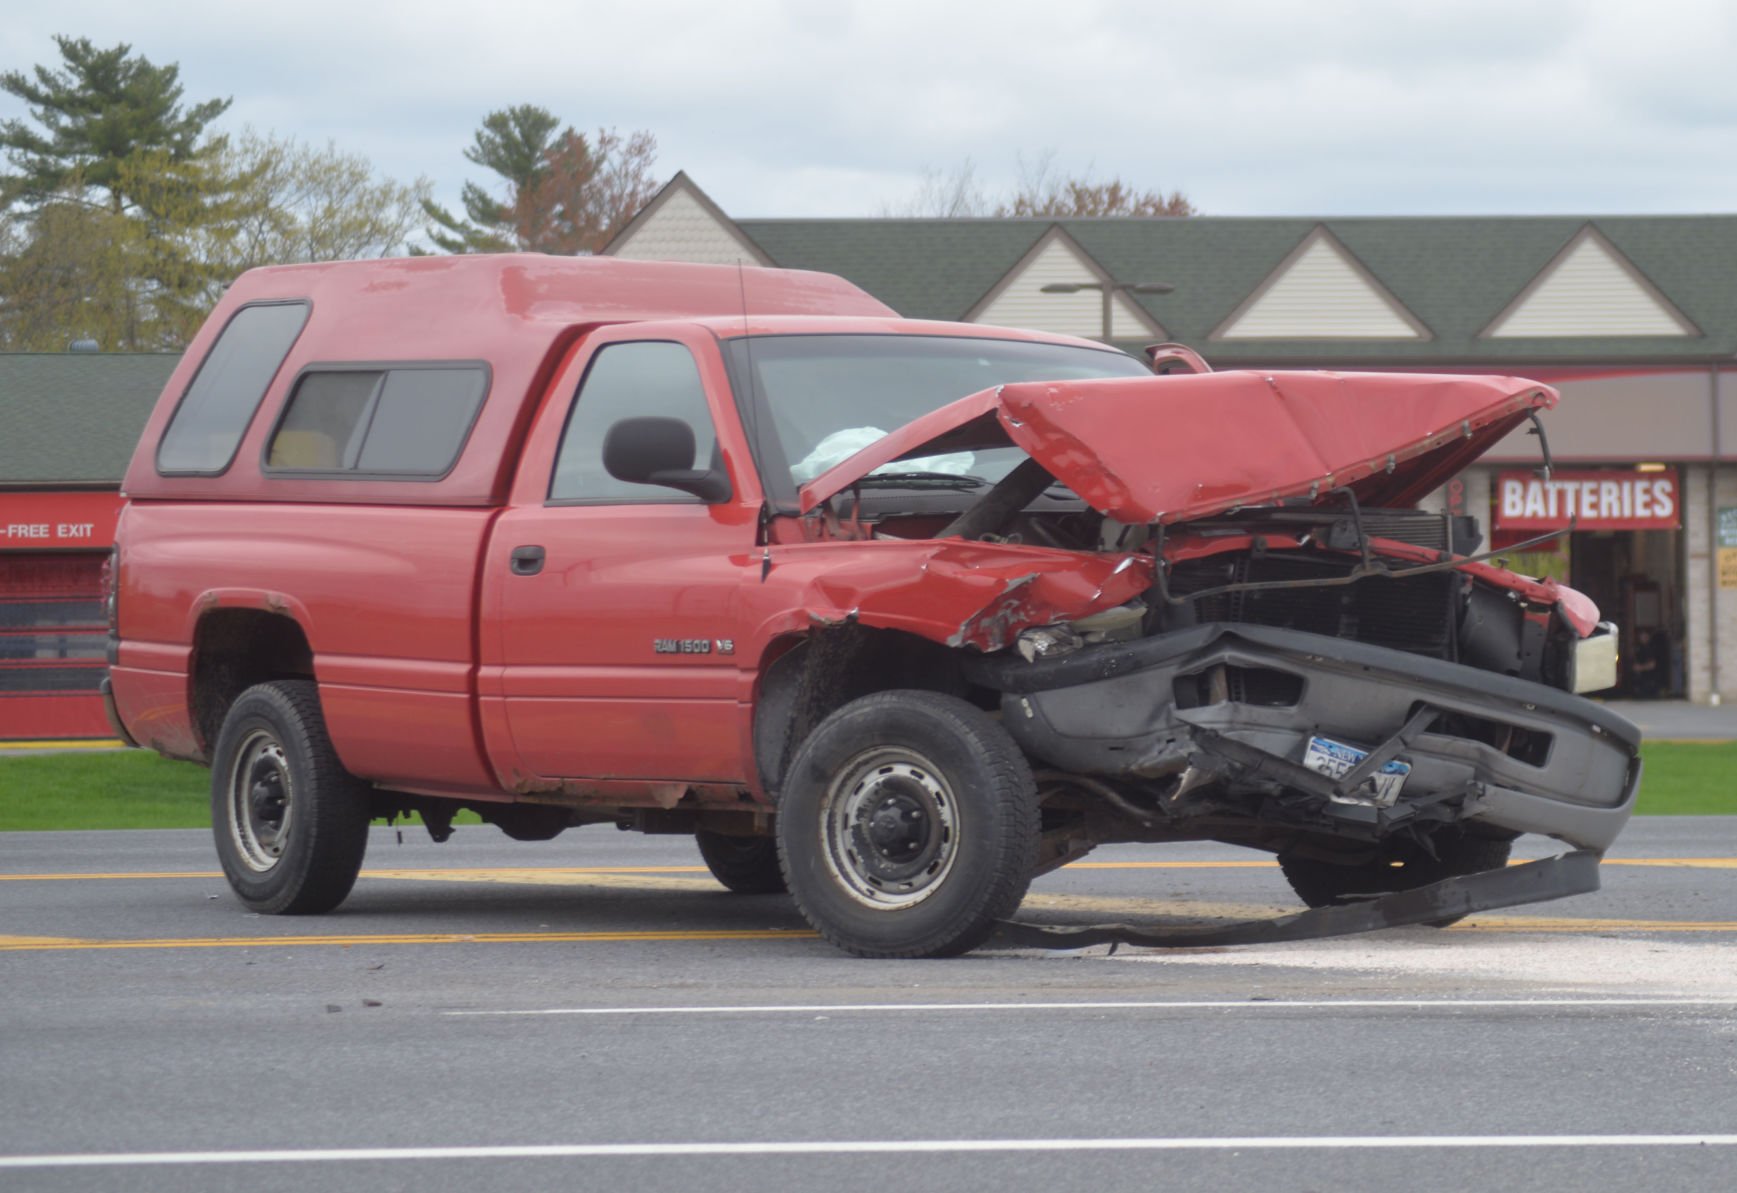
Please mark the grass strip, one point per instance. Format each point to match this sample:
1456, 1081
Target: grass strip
122, 789
118, 789
1688, 778
138, 789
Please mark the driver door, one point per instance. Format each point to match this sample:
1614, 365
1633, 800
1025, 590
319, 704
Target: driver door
612, 608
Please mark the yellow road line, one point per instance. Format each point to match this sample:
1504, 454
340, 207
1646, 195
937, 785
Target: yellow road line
1519, 923
19, 944
456, 875
1697, 863
1139, 908
1237, 865
81, 744
543, 875
94, 877
548, 874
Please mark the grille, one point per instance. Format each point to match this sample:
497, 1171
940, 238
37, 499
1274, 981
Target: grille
1413, 615
1407, 526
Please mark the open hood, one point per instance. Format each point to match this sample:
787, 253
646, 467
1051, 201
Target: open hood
1184, 446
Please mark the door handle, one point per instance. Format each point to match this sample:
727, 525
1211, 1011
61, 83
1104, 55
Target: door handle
527, 561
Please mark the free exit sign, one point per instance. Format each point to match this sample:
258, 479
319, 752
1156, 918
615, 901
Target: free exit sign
58, 521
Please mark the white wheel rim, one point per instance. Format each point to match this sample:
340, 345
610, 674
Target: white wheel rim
261, 803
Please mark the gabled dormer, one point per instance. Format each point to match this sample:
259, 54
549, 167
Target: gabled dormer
1057, 259
1321, 291
681, 223
1589, 288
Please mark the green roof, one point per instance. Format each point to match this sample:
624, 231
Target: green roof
73, 418
1454, 273
70, 418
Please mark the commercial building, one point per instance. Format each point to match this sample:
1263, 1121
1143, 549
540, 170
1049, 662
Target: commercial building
68, 423
1633, 319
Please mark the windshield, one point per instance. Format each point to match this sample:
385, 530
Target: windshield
813, 400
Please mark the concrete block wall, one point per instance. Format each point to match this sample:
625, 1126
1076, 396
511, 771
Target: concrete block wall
1475, 499
1712, 613
1478, 500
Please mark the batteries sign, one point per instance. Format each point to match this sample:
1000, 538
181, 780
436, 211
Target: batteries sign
1601, 500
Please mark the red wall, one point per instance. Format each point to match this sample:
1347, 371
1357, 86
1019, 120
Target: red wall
52, 626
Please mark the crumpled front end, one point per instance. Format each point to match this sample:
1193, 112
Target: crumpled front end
1276, 736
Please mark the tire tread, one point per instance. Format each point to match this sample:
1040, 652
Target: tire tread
332, 809
1009, 776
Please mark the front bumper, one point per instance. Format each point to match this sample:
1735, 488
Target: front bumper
1113, 711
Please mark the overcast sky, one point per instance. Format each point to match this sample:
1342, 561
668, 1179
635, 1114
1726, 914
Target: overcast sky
809, 108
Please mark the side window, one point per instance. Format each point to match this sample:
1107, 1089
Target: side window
321, 422
386, 422
630, 381
214, 412
422, 419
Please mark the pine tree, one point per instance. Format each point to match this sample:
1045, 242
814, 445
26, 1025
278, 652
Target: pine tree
565, 193
126, 216
512, 143
103, 110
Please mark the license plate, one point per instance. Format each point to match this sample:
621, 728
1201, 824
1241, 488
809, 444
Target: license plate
1335, 760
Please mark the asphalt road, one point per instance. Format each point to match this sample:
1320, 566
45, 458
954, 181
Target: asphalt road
595, 1012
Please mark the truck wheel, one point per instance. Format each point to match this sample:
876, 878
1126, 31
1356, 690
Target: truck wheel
746, 865
291, 824
908, 825
1321, 884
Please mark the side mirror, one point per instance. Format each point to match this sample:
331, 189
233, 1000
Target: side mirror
660, 451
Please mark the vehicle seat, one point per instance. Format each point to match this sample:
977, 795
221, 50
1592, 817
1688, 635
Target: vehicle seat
303, 449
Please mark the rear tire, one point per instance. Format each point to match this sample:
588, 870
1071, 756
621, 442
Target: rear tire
291, 824
908, 825
1323, 884
746, 865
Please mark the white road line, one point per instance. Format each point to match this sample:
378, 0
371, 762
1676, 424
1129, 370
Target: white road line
1331, 1004
859, 1147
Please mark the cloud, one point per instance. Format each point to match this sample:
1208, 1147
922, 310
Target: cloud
790, 107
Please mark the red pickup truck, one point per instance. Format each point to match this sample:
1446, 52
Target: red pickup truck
891, 614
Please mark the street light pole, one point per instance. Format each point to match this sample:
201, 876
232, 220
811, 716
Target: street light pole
1109, 290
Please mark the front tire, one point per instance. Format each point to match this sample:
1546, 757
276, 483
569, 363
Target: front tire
291, 824
908, 825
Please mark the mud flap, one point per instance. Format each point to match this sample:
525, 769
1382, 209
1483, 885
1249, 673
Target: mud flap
1573, 873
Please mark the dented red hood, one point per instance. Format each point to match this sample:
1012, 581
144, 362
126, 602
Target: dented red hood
1183, 446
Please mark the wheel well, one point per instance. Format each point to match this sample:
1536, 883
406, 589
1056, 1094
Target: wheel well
829, 668
233, 649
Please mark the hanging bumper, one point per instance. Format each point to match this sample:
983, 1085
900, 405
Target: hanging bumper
1573, 873
1115, 711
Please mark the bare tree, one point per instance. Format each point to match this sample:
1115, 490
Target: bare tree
585, 192
945, 194
1042, 189
298, 202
